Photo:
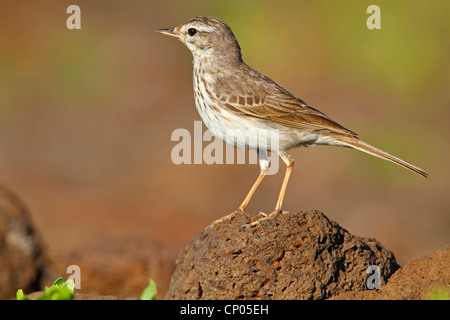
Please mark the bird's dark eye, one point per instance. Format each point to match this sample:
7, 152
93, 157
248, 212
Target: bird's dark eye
192, 31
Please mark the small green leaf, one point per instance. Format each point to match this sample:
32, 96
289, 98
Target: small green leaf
20, 295
58, 282
438, 292
70, 284
150, 292
58, 291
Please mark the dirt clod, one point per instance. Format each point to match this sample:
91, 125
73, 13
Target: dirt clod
292, 255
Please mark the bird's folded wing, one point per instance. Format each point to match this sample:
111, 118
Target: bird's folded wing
284, 109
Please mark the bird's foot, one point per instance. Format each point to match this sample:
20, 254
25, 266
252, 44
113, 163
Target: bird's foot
258, 221
224, 218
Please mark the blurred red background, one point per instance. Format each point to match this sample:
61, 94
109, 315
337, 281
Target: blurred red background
86, 117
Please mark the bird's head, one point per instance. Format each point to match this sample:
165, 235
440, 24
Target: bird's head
207, 37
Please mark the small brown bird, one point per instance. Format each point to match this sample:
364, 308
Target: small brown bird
231, 97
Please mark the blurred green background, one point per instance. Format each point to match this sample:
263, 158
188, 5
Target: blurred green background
86, 117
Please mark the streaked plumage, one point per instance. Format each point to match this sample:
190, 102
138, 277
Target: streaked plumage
231, 95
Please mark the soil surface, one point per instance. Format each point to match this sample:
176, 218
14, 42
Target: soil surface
298, 255
291, 255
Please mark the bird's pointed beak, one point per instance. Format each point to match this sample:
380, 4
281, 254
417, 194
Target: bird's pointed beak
168, 32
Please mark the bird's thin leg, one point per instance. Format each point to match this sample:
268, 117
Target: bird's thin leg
289, 167
264, 164
251, 192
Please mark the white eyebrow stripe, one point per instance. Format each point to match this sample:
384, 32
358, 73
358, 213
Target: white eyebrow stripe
201, 28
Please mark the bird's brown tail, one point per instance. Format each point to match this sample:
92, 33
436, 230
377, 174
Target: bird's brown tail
367, 148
